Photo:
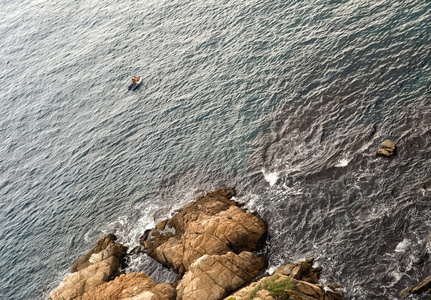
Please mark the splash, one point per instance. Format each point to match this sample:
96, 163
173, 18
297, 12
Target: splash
403, 246
342, 163
271, 178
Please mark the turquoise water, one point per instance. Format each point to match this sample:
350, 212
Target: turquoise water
287, 101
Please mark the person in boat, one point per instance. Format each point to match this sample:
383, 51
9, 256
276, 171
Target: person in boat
137, 78
134, 80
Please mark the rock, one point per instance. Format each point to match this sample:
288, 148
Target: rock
388, 144
136, 250
405, 293
382, 152
214, 276
310, 290
427, 185
101, 245
210, 205
161, 225
92, 270
132, 286
282, 284
209, 241
281, 287
213, 225
144, 237
298, 271
329, 295
387, 149
422, 286
285, 270
301, 271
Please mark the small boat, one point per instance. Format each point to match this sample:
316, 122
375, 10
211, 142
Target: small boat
133, 86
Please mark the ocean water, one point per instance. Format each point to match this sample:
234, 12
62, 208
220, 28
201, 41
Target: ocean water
286, 100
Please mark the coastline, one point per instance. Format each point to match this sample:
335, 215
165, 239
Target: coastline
211, 243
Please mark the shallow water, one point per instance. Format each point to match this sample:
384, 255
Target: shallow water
288, 101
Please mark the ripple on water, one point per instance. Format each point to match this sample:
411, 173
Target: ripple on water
286, 100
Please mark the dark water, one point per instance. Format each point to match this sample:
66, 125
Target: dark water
286, 100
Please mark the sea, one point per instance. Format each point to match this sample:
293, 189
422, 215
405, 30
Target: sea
287, 101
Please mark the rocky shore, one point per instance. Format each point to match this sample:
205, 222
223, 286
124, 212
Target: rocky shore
210, 244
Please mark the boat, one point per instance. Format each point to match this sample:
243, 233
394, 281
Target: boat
133, 86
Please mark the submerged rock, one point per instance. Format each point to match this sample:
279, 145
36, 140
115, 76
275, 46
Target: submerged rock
387, 149
405, 293
213, 225
423, 286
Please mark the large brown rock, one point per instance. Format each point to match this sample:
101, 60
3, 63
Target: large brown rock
132, 286
213, 225
387, 149
210, 204
95, 269
104, 242
214, 276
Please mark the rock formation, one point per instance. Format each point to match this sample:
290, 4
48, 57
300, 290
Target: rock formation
387, 149
213, 225
291, 281
209, 241
132, 286
96, 276
98, 266
102, 244
212, 277
421, 287
302, 270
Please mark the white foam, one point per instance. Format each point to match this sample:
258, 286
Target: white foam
129, 229
403, 246
428, 244
136, 231
272, 269
271, 178
342, 163
251, 201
